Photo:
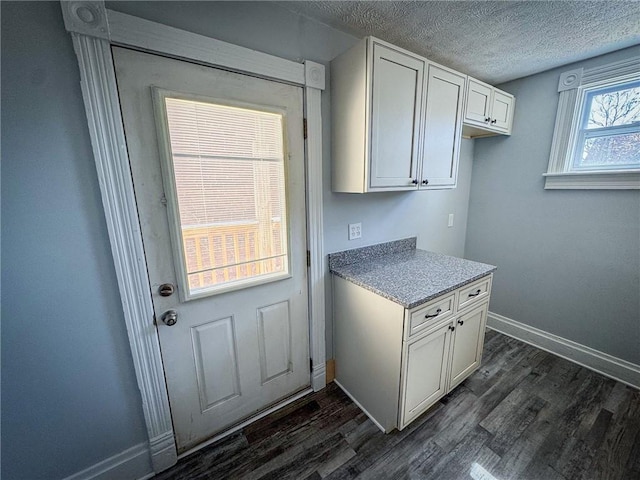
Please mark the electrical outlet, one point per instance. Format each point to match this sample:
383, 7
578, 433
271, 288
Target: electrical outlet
355, 231
450, 224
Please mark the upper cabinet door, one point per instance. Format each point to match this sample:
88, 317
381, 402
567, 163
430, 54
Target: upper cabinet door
478, 102
502, 110
443, 127
396, 100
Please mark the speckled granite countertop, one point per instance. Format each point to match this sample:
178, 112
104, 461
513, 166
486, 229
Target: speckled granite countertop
399, 272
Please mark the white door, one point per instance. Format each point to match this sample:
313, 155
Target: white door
396, 102
218, 167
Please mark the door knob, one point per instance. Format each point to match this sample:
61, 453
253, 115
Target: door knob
170, 317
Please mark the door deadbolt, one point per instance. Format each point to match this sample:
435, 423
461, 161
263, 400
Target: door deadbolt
170, 317
166, 290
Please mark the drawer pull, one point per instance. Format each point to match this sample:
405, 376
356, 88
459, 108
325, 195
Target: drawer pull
478, 292
460, 322
438, 311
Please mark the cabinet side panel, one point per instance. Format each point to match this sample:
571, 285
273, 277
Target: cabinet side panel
368, 345
348, 113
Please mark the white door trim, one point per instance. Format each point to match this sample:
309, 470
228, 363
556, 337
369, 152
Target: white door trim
94, 29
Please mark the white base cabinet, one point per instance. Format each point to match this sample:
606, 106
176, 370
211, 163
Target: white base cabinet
394, 362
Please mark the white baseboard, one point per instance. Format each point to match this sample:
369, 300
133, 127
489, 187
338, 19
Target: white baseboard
607, 365
134, 464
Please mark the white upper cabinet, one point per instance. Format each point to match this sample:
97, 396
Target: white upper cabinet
488, 111
443, 128
376, 109
397, 119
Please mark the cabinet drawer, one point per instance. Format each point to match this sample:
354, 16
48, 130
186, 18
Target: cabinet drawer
429, 314
474, 293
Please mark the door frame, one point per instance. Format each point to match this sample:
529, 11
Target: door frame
94, 29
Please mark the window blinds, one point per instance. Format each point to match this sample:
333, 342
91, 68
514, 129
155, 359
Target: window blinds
230, 186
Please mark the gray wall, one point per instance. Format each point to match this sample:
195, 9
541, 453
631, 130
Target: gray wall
69, 395
568, 261
69, 390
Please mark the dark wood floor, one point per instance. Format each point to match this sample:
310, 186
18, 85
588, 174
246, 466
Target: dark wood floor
525, 414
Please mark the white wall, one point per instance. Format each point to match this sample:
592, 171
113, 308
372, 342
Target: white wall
568, 260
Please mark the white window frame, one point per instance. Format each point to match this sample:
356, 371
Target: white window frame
574, 86
94, 29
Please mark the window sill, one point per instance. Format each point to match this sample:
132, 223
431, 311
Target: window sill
620, 180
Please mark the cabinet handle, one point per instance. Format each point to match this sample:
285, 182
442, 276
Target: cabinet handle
460, 322
475, 294
414, 181
452, 328
494, 121
487, 120
425, 182
435, 315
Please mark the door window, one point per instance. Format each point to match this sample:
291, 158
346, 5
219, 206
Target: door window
225, 184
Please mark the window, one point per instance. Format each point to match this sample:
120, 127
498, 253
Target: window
609, 135
227, 179
596, 140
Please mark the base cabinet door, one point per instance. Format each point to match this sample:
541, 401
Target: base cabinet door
466, 346
424, 376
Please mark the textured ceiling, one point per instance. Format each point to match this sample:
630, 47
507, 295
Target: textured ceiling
494, 41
